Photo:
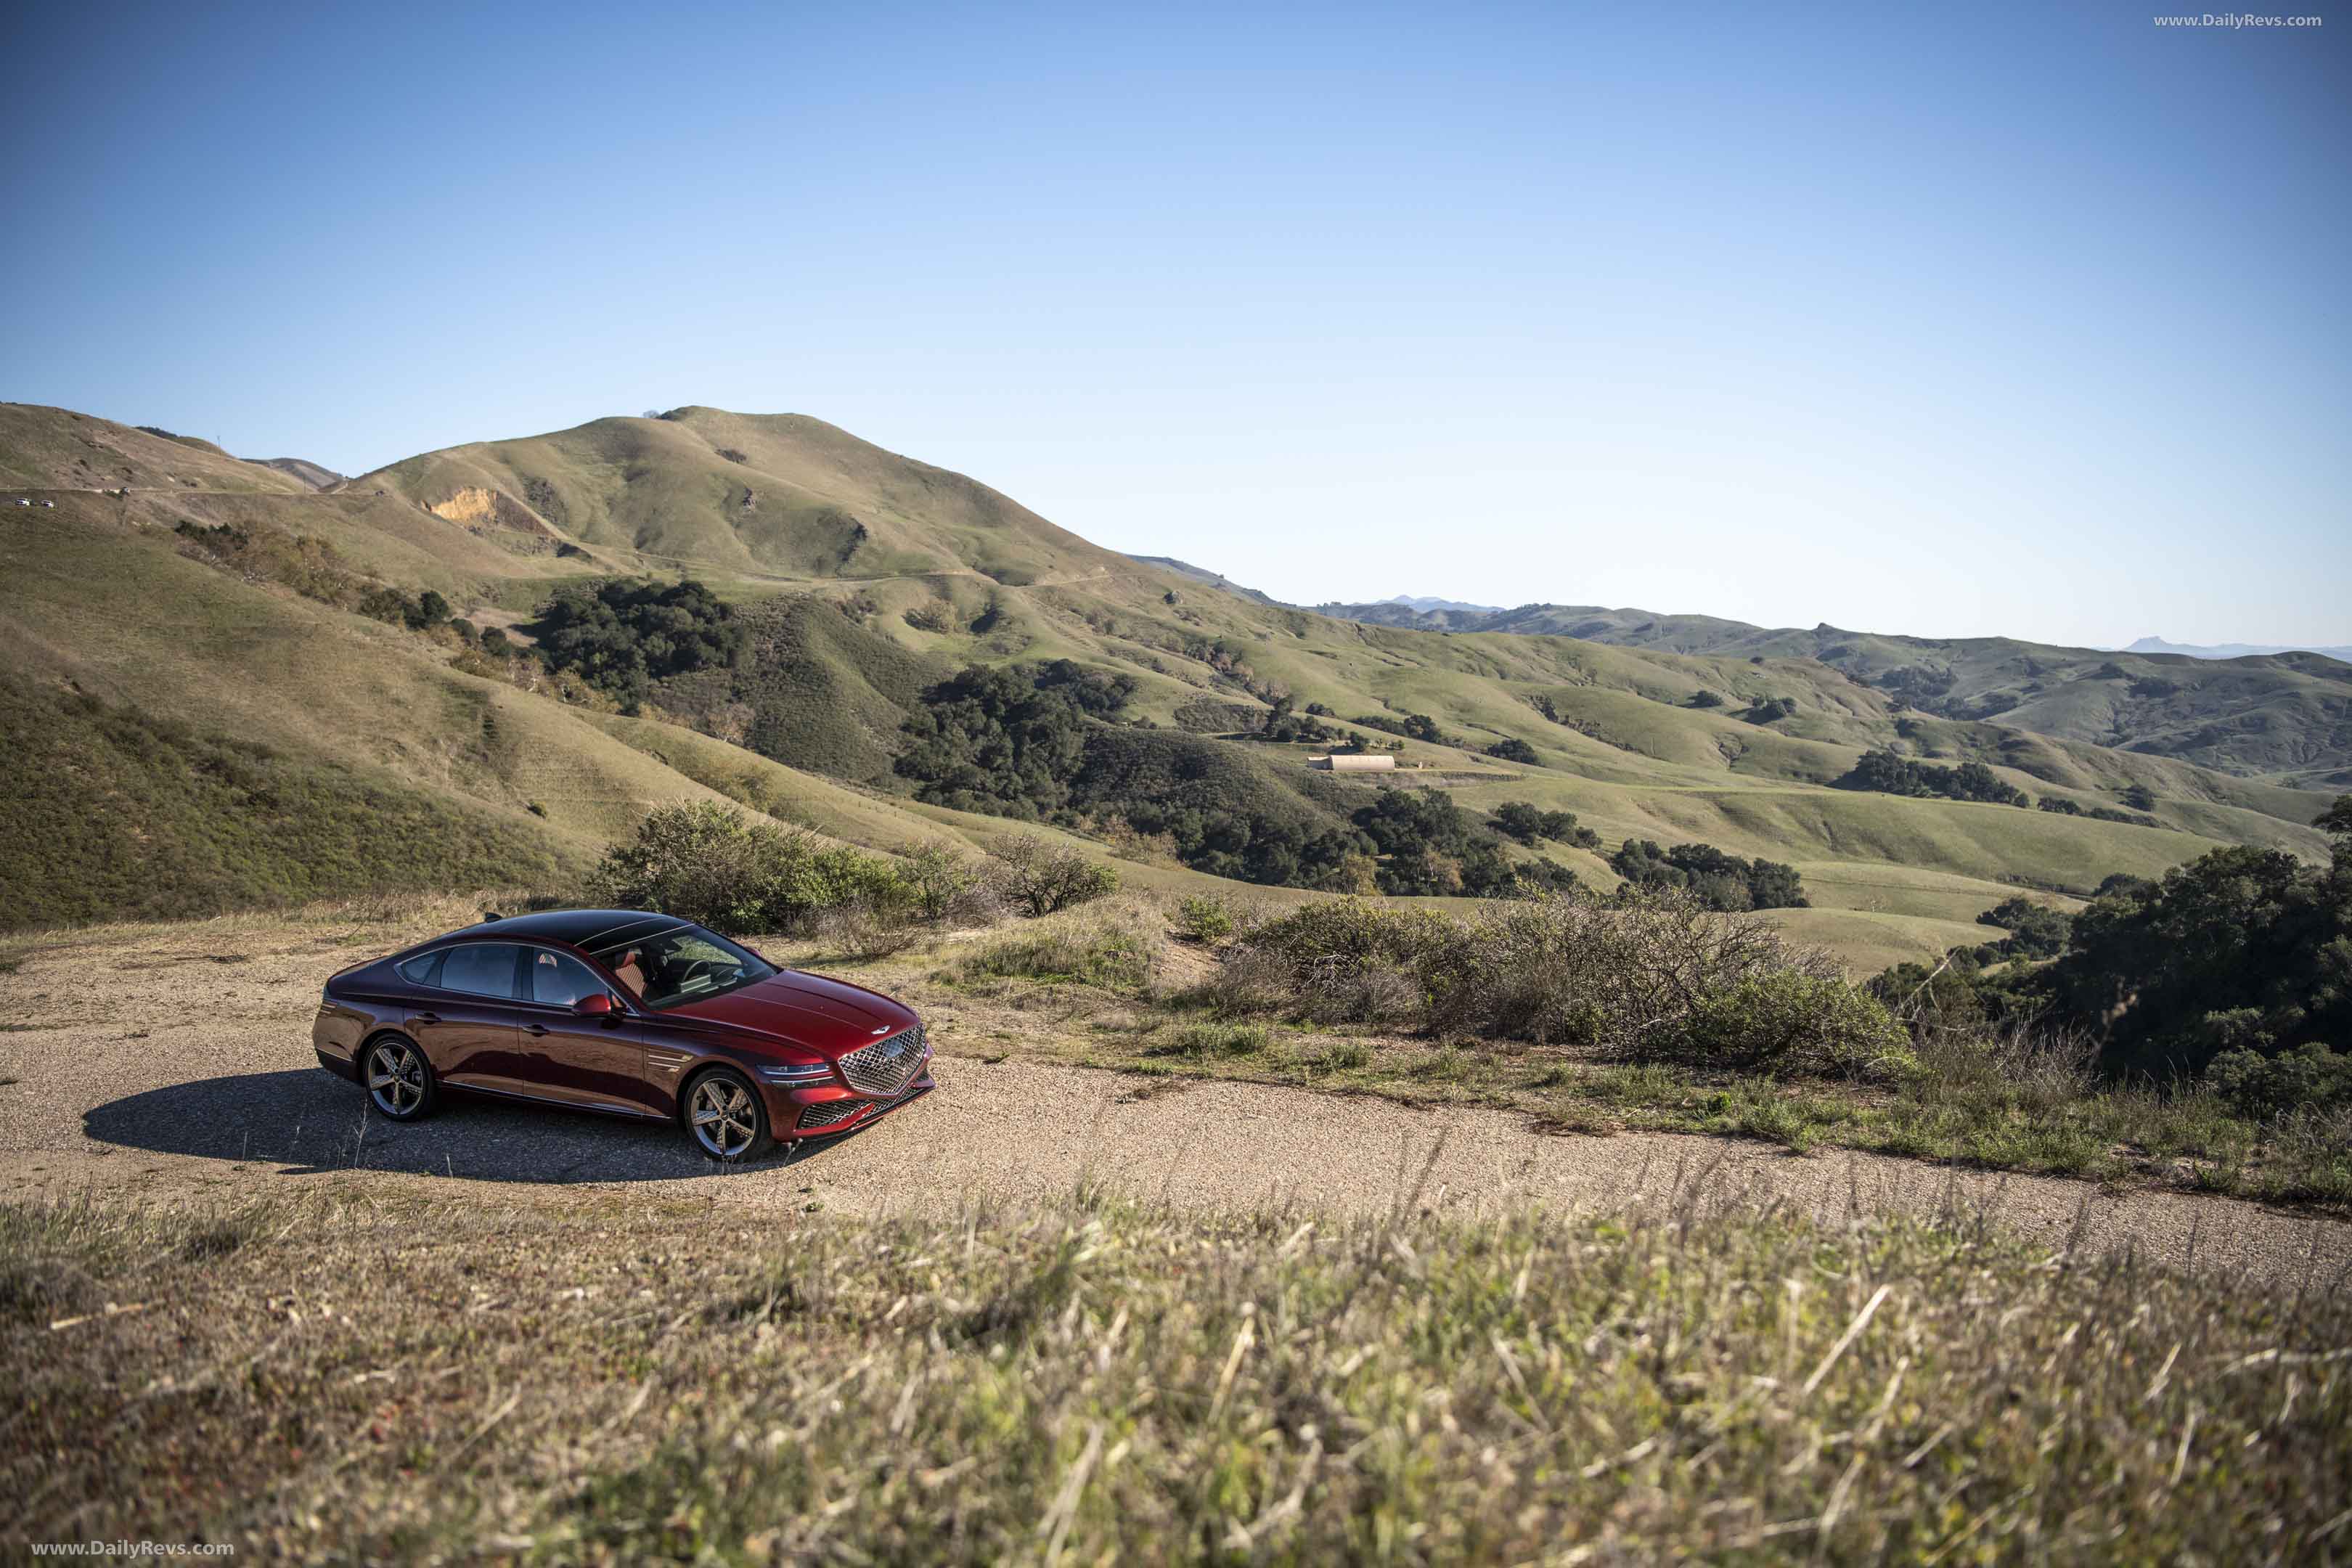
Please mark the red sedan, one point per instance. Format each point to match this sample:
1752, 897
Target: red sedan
626, 1013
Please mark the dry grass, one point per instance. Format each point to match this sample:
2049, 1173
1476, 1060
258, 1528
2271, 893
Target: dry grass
614, 1379
1102, 986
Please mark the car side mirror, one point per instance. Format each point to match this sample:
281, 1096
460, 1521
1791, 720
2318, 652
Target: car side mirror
595, 1005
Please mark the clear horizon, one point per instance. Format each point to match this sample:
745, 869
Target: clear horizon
2006, 321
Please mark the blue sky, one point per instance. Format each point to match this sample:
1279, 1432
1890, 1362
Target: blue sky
1951, 320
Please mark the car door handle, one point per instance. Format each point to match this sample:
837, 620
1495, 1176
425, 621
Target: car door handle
428, 1017
537, 1028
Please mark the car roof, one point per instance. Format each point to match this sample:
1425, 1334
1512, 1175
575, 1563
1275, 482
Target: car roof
579, 927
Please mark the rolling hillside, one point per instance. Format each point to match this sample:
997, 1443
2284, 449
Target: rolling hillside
2280, 715
862, 577
780, 495
45, 448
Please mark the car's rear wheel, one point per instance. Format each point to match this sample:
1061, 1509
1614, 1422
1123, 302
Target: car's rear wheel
397, 1078
726, 1118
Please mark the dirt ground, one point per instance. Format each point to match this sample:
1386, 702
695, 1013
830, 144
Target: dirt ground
175, 1060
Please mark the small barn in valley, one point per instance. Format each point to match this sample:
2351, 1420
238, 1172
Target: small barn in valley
1354, 763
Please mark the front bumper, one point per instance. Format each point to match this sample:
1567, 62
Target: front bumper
817, 1100
822, 1113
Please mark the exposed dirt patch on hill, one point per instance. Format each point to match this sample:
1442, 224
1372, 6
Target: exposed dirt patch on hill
480, 510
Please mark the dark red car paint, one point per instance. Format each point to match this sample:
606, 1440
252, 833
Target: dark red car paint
630, 1061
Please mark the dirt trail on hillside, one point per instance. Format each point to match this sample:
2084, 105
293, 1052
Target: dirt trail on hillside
142, 1062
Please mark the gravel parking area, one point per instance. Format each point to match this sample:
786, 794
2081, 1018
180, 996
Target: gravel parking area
176, 1059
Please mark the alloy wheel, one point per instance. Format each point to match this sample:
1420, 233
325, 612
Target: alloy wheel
725, 1121
396, 1079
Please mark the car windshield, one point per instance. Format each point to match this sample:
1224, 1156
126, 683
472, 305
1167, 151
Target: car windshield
684, 963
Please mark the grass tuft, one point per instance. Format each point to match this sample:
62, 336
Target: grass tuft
1706, 1381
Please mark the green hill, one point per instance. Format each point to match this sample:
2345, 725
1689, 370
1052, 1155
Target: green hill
862, 578
44, 448
761, 494
2285, 717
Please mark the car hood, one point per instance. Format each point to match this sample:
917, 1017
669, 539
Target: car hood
828, 1015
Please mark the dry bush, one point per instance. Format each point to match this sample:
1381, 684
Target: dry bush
1204, 918
861, 930
1250, 979
1346, 961
1038, 877
1654, 978
977, 905
1621, 977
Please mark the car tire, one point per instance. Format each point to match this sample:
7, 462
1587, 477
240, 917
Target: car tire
727, 1119
397, 1078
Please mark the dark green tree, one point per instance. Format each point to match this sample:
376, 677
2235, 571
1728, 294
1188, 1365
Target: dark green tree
1511, 749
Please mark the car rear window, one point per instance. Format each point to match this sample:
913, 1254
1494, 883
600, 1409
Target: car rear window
481, 969
422, 969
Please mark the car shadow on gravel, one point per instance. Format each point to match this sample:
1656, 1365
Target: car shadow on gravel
315, 1122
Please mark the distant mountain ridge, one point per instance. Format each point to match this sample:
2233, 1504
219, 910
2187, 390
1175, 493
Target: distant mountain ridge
316, 476
2238, 649
2283, 714
1203, 575
1456, 605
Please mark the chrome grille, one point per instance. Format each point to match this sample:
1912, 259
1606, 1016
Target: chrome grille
886, 1067
831, 1113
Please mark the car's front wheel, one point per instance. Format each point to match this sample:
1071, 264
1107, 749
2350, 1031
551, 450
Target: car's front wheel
727, 1119
398, 1078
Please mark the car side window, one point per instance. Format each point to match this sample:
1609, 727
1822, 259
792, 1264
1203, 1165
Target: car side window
562, 980
481, 969
422, 969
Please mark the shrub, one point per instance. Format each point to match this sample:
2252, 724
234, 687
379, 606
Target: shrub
1037, 879
930, 615
1703, 698
1617, 977
1795, 1022
2264, 1087
938, 880
860, 930
1651, 978
1204, 918
1511, 749
709, 863
1346, 961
